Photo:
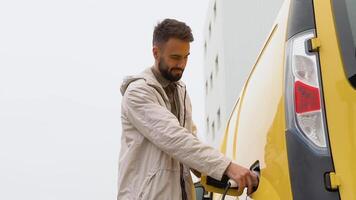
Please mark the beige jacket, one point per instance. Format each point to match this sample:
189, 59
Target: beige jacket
154, 142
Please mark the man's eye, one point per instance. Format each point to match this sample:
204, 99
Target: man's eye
175, 58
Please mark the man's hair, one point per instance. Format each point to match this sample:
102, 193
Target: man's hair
171, 28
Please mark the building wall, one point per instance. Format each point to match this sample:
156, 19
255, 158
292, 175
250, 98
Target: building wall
235, 31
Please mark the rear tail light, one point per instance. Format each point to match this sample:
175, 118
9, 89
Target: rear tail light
304, 102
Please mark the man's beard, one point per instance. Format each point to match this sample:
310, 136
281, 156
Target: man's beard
167, 73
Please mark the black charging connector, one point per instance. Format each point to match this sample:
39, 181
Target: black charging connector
218, 183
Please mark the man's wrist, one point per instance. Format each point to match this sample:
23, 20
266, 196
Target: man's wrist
227, 170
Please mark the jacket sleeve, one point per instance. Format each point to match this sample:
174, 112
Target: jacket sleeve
162, 128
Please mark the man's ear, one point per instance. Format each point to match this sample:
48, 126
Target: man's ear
156, 52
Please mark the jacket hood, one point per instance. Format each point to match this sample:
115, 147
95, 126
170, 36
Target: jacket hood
147, 75
126, 82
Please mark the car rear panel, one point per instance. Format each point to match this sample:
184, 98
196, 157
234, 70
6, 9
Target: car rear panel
340, 100
308, 165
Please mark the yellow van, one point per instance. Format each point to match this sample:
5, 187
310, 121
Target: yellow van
296, 114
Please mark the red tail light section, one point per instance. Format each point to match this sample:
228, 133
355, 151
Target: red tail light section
307, 98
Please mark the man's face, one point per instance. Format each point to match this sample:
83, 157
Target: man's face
172, 58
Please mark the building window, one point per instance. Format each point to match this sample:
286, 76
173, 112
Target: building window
217, 63
211, 80
219, 118
207, 125
215, 10
205, 48
213, 130
206, 87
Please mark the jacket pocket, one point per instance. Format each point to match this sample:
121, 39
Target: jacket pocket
162, 184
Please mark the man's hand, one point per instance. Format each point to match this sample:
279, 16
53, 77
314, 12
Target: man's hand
242, 176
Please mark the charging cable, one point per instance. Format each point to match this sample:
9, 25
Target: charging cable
230, 184
225, 191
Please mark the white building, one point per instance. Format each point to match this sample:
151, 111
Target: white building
235, 31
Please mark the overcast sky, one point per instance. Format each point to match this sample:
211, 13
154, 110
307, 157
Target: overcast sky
61, 66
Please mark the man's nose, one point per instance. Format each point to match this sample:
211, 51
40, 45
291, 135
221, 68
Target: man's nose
181, 64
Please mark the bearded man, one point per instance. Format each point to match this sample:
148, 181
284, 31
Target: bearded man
159, 147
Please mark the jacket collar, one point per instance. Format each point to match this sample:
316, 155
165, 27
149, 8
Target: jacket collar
164, 82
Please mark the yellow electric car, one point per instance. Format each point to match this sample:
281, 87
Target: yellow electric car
296, 115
